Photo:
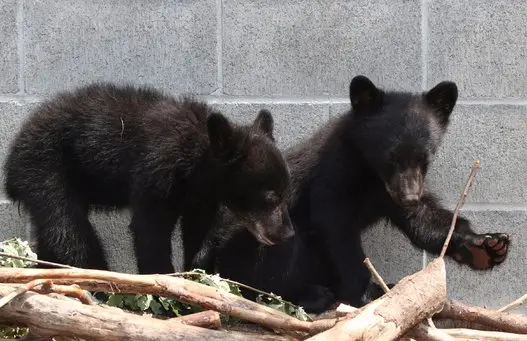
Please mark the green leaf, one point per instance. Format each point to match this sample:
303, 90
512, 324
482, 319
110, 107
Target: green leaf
156, 307
116, 300
143, 301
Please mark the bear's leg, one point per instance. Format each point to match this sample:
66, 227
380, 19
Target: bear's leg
427, 227
152, 225
199, 238
64, 233
316, 299
206, 256
343, 249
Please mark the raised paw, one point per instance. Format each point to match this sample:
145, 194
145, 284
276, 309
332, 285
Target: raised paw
483, 251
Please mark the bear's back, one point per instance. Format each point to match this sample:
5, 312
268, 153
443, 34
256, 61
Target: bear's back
101, 136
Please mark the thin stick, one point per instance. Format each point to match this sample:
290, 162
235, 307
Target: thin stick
458, 207
21, 290
43, 262
172, 287
68, 290
376, 274
484, 335
514, 304
507, 322
241, 285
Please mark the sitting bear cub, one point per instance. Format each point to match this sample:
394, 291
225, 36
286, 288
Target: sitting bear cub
368, 164
105, 146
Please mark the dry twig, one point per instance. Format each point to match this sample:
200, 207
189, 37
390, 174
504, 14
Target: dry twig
37, 261
484, 335
183, 290
47, 317
205, 319
458, 207
514, 304
20, 290
498, 320
375, 274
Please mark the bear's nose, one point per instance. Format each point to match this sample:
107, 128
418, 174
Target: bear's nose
410, 200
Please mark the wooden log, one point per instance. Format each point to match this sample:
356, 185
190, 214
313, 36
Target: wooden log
502, 321
181, 289
413, 299
472, 334
47, 316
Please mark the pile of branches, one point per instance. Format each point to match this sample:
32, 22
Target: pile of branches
55, 305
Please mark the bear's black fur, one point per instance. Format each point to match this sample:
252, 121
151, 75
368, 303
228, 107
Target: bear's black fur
107, 146
368, 164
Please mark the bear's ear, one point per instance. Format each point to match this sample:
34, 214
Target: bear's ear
220, 135
363, 93
264, 123
442, 98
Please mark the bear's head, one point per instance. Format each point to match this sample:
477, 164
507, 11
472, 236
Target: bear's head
398, 133
254, 177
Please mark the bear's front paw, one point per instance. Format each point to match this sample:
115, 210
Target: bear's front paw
483, 251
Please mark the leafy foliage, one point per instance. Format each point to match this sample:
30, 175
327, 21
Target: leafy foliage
149, 304
16, 247
172, 307
274, 301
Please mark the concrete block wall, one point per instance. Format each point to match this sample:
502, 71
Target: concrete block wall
297, 58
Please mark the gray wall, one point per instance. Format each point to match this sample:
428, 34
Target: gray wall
297, 58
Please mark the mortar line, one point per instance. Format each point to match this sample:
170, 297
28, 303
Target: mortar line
493, 207
340, 100
20, 46
20, 99
424, 44
316, 100
489, 102
219, 47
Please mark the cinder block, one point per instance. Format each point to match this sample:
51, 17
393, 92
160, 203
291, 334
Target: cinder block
12, 224
8, 42
391, 252
299, 48
293, 122
503, 284
112, 230
117, 241
481, 45
12, 116
496, 136
168, 44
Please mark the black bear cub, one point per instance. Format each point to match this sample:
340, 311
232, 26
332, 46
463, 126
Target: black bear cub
105, 146
368, 164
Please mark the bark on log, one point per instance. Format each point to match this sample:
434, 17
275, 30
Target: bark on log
49, 317
205, 319
413, 299
503, 321
162, 285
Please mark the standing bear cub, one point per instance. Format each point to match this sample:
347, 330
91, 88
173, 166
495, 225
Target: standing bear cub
368, 164
104, 146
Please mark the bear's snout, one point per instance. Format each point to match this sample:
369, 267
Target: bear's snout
272, 227
406, 187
